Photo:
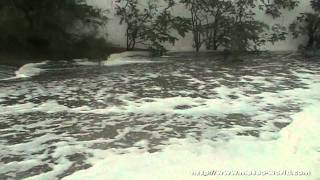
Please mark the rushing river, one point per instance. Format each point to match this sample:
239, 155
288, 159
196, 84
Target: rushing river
163, 118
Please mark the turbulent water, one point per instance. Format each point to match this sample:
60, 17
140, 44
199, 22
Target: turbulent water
161, 120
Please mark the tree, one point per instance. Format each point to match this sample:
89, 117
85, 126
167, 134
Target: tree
150, 24
163, 27
273, 7
129, 14
198, 17
308, 24
247, 33
216, 18
46, 26
232, 24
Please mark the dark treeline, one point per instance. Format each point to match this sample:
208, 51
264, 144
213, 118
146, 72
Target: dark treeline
70, 28
50, 28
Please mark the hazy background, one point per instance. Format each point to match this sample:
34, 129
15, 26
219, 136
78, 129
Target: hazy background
116, 32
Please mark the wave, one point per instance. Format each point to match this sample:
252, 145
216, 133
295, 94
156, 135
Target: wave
129, 57
26, 71
85, 62
29, 70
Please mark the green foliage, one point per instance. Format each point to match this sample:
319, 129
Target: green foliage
216, 23
308, 24
160, 31
47, 26
274, 7
232, 24
128, 12
196, 9
150, 24
245, 32
315, 4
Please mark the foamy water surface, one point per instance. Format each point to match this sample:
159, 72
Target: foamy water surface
164, 120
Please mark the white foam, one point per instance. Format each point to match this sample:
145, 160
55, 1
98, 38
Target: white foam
129, 57
217, 105
47, 107
296, 149
194, 107
29, 70
132, 54
17, 108
85, 62
51, 107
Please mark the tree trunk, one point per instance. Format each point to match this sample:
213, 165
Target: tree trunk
311, 39
310, 42
128, 41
